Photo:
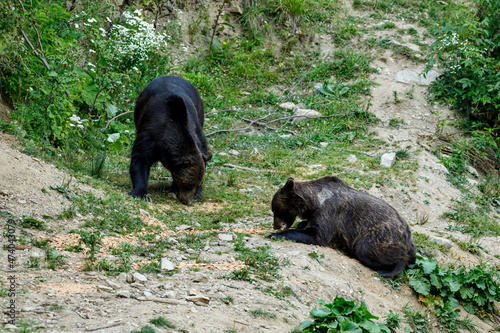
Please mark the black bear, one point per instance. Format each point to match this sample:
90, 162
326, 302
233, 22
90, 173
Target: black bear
169, 118
368, 228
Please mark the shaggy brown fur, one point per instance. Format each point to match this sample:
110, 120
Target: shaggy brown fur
169, 118
370, 229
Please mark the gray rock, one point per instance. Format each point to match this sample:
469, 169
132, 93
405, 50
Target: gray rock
304, 115
183, 227
352, 158
388, 160
441, 241
123, 294
234, 152
199, 300
323, 144
226, 237
139, 277
143, 212
104, 288
112, 284
472, 171
409, 76
201, 278
147, 293
167, 264
288, 106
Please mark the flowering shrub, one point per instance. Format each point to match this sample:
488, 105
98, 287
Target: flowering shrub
135, 40
469, 51
80, 71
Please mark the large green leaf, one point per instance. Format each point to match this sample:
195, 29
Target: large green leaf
349, 326
420, 286
320, 313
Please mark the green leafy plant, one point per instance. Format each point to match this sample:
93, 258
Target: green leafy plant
53, 258
342, 316
261, 263
476, 288
93, 241
161, 322
467, 47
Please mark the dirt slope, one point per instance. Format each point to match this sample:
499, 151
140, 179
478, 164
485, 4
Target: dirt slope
71, 300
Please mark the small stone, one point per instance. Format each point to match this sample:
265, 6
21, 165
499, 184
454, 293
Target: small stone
27, 309
233, 152
130, 278
304, 115
139, 277
112, 284
388, 160
147, 293
123, 294
10, 327
168, 294
472, 171
143, 212
226, 237
288, 106
199, 300
200, 278
167, 264
104, 288
183, 227
441, 241
352, 158
323, 144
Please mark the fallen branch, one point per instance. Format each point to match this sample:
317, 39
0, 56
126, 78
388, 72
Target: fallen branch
266, 124
229, 165
109, 121
40, 55
100, 327
160, 300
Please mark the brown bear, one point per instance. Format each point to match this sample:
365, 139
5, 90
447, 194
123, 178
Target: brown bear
368, 228
169, 118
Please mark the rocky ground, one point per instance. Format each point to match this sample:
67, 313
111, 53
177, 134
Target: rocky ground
197, 298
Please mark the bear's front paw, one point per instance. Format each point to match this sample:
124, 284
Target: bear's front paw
273, 235
140, 195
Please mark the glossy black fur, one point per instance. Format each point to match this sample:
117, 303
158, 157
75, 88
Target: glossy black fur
369, 228
169, 118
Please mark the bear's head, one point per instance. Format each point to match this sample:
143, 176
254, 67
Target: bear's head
188, 176
287, 204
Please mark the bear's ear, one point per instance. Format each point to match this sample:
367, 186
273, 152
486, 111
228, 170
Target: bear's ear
177, 110
207, 157
290, 183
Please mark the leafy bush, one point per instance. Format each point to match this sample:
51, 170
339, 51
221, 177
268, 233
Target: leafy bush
70, 72
468, 47
476, 288
342, 316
